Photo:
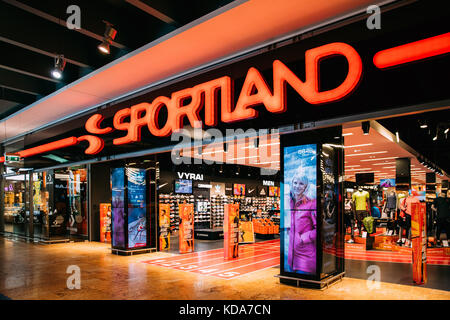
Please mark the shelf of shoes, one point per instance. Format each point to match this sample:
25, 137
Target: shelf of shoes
202, 212
174, 200
217, 210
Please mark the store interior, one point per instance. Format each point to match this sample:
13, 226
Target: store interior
249, 175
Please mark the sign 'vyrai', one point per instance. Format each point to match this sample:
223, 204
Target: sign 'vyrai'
191, 176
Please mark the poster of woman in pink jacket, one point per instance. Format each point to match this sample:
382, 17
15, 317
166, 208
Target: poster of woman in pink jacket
300, 216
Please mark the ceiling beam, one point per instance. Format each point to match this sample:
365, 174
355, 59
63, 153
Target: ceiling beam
37, 50
26, 83
152, 11
59, 21
19, 90
17, 96
41, 34
28, 73
32, 64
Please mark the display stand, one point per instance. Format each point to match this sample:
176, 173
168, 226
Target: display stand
130, 211
164, 226
208, 234
105, 222
322, 284
311, 215
419, 242
246, 228
186, 231
231, 231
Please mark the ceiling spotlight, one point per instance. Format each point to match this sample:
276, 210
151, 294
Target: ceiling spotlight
398, 138
60, 64
446, 131
108, 37
435, 138
104, 47
423, 124
365, 127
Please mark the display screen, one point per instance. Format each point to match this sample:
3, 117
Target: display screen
239, 189
387, 183
137, 230
274, 191
420, 195
329, 208
298, 214
363, 178
117, 206
183, 186
136, 187
137, 218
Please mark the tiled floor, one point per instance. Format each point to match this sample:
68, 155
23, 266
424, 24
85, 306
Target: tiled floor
252, 257
31, 271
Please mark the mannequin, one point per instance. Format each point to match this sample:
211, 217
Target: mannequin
441, 207
361, 206
390, 206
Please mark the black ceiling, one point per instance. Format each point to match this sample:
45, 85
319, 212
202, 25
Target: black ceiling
33, 32
421, 139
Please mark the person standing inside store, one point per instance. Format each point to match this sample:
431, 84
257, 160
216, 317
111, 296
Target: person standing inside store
441, 206
303, 232
361, 206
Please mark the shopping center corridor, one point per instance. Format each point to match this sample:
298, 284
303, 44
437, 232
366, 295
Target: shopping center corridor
34, 271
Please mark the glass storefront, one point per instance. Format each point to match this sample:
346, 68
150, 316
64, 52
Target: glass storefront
58, 204
41, 197
16, 217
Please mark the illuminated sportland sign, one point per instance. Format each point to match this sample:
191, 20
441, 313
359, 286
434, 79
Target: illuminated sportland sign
254, 92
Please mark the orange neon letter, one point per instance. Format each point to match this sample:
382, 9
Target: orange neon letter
254, 81
413, 51
152, 117
93, 125
210, 90
192, 110
96, 144
120, 125
137, 121
312, 58
55, 145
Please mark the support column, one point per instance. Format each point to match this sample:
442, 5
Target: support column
31, 204
2, 192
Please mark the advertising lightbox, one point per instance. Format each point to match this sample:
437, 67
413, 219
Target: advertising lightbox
299, 223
